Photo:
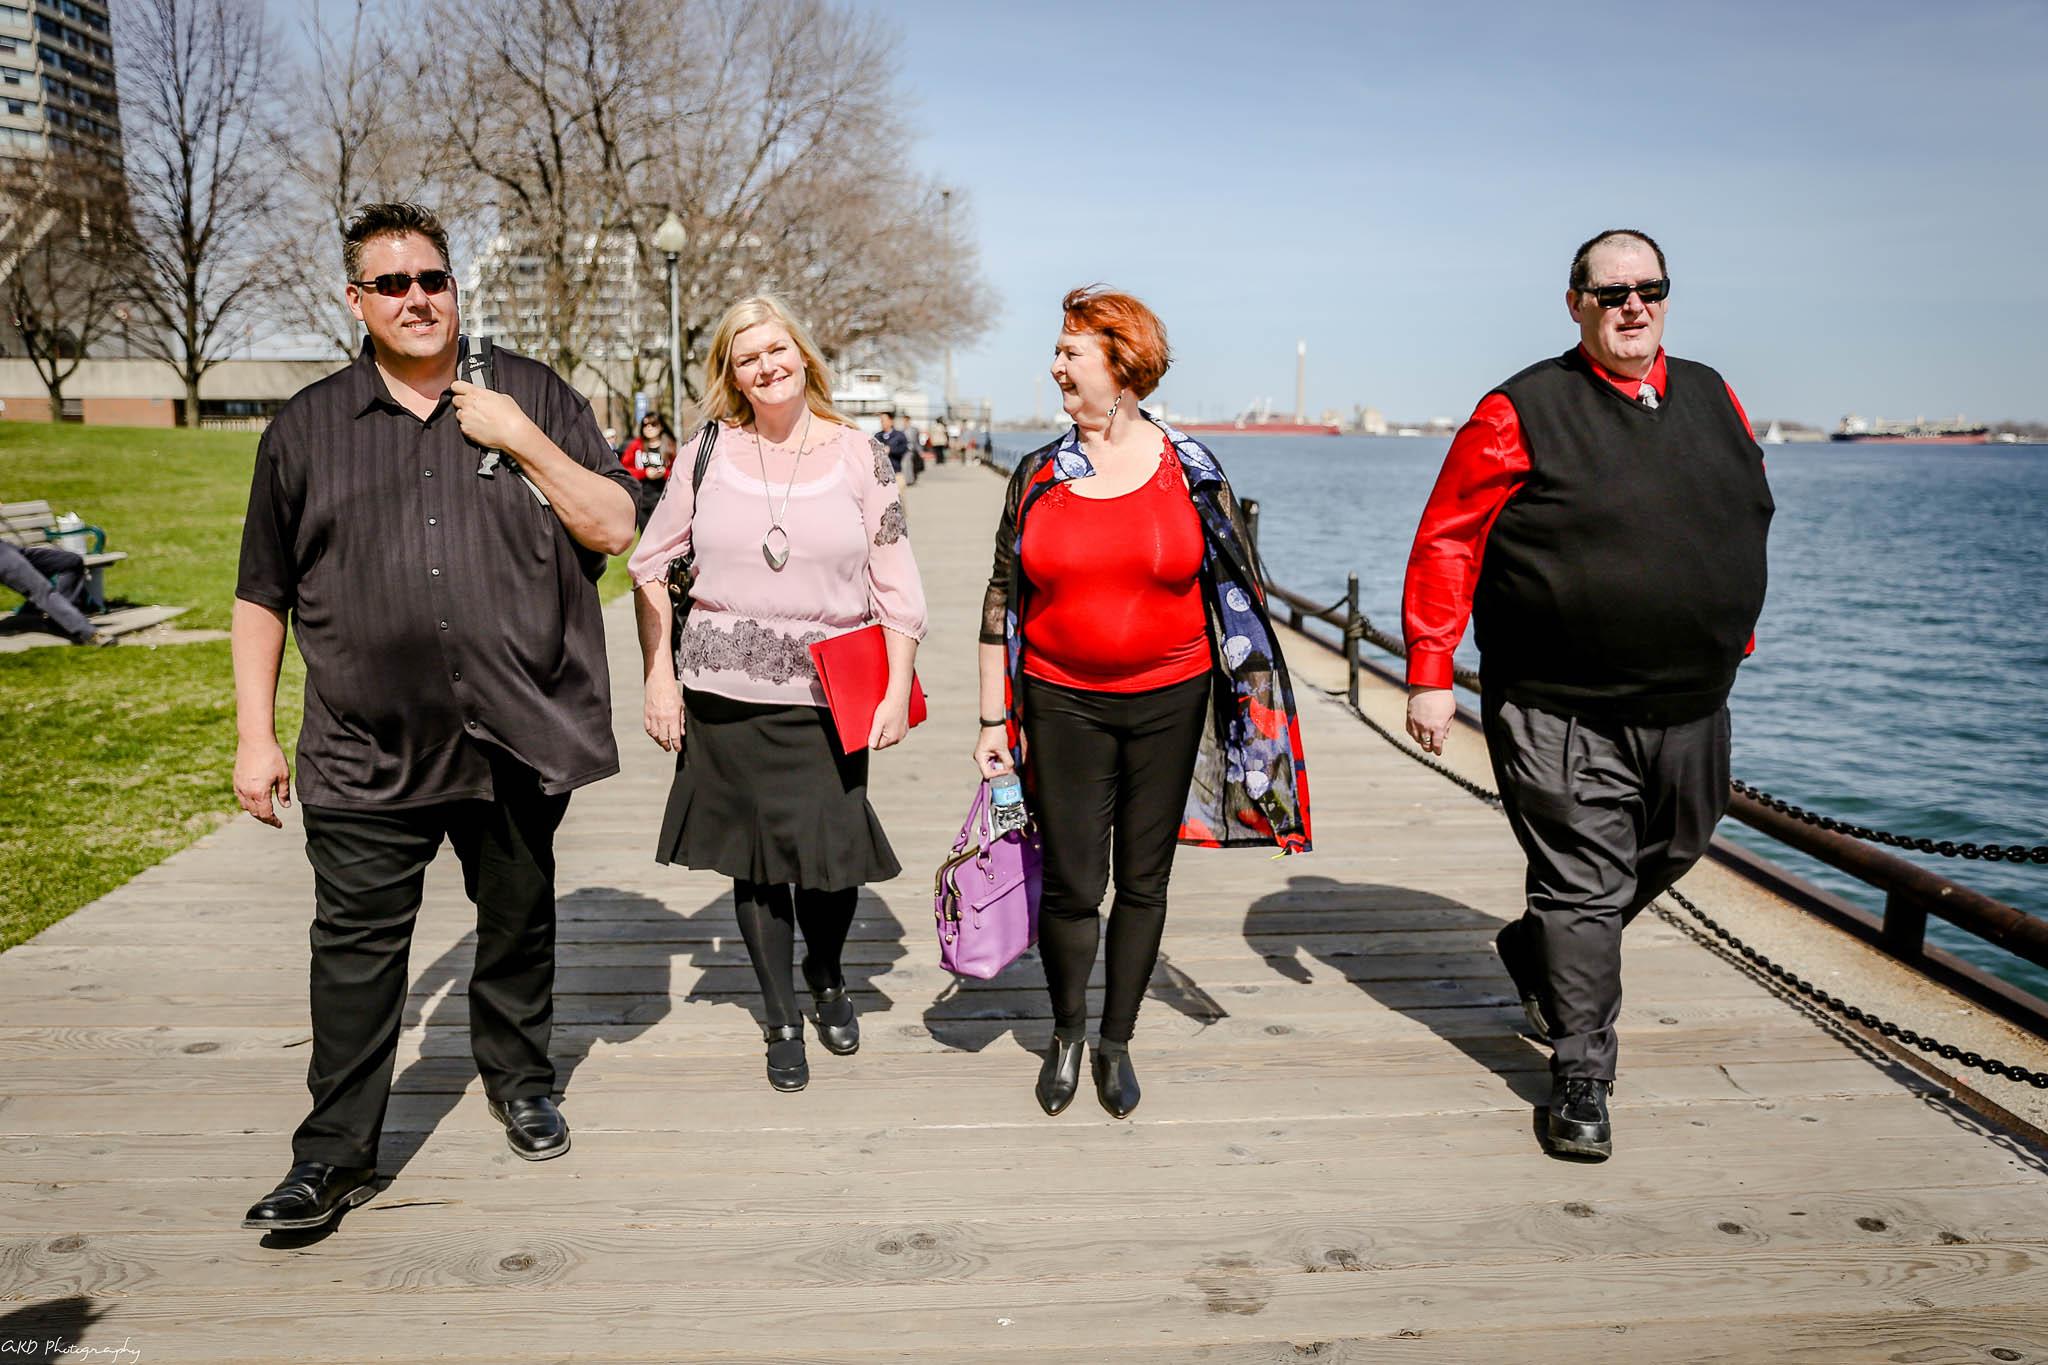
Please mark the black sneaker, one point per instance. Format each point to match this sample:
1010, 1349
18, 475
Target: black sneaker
1578, 1123
1525, 969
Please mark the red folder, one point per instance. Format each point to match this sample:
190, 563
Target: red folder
854, 670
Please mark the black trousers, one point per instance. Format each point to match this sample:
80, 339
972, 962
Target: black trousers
1110, 774
369, 868
1609, 816
53, 581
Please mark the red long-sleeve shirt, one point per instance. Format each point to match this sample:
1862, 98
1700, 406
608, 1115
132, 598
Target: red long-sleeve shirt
1485, 467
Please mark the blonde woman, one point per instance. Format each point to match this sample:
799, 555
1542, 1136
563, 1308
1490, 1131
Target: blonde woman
802, 538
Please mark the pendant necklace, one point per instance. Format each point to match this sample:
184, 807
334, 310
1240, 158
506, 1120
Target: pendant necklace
775, 545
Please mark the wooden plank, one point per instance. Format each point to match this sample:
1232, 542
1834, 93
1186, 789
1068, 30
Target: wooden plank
1216, 1298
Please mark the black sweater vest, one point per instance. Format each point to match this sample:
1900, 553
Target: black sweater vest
1625, 576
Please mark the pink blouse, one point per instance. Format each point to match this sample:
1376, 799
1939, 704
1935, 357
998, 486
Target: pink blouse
751, 626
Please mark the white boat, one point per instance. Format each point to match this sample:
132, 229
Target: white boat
1772, 436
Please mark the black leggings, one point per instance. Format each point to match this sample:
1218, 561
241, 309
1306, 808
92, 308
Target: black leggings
768, 922
1108, 763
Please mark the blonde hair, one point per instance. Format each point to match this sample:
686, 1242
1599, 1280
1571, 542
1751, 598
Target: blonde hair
723, 401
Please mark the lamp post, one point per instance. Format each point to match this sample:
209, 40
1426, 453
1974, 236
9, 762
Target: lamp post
946, 202
669, 240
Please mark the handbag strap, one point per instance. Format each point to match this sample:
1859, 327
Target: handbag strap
704, 445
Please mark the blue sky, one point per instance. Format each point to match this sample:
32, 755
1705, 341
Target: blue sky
1854, 197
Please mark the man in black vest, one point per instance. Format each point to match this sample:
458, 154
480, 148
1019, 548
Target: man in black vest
1602, 519
434, 545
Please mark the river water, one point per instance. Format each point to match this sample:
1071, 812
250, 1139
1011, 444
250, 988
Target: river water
1901, 673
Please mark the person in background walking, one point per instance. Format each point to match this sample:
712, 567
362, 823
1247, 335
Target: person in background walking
1128, 665
1602, 519
803, 538
435, 548
940, 441
650, 458
894, 442
52, 583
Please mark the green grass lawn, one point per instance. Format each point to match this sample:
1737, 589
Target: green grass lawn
111, 760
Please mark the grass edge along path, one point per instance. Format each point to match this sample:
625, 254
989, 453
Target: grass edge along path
112, 760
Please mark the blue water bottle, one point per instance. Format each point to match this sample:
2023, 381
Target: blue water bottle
1006, 803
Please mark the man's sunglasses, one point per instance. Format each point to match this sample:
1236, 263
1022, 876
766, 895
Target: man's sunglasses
1615, 295
397, 284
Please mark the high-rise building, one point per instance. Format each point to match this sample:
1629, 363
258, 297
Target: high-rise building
57, 81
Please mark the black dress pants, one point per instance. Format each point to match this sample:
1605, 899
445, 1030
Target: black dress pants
369, 869
1609, 816
1110, 774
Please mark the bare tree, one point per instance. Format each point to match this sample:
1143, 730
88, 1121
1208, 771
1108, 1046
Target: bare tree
65, 283
195, 78
356, 135
793, 179
550, 116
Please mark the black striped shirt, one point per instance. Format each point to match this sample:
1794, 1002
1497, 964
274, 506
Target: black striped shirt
437, 610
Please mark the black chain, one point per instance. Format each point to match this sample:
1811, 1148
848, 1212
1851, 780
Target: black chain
1976, 1061
1363, 629
1988, 852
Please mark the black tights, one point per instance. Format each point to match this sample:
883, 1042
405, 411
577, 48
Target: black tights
1108, 763
769, 926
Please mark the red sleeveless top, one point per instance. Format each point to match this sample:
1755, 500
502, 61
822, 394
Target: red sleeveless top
1115, 603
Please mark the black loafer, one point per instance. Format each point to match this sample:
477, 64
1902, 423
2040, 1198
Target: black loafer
1578, 1124
1116, 1083
1059, 1080
1525, 969
838, 1026
787, 1069
534, 1127
313, 1195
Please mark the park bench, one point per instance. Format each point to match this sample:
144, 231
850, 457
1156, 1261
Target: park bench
32, 523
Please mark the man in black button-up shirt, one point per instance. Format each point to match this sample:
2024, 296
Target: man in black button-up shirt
435, 546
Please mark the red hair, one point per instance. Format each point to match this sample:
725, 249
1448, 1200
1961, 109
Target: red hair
1133, 337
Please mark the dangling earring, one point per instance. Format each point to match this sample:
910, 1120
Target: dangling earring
1110, 420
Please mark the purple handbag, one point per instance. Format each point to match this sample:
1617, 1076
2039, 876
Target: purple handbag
985, 897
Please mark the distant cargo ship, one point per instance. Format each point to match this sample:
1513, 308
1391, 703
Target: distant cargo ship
1956, 433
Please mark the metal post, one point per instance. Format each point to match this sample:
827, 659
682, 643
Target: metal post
675, 348
1905, 924
1250, 508
1351, 639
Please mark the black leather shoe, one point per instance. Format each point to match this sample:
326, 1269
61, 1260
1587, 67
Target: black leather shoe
1525, 968
1578, 1124
787, 1069
838, 1027
534, 1127
1060, 1078
1116, 1083
312, 1196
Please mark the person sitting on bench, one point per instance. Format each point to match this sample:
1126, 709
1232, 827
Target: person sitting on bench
54, 582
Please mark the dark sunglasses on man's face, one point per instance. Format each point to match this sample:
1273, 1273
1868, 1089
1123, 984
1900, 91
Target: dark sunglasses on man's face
1615, 295
397, 284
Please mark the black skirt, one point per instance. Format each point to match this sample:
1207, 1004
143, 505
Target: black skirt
765, 794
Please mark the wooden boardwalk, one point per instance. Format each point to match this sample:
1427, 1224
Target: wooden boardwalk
1335, 1158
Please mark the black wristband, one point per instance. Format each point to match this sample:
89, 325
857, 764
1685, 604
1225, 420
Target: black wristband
988, 724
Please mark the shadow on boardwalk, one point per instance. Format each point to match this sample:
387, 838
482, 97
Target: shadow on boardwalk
640, 962
1377, 937
969, 1014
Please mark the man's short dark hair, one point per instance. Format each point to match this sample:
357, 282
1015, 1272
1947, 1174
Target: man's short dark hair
372, 221
889, 413
1582, 273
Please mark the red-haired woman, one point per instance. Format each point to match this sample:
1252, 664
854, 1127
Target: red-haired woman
1128, 664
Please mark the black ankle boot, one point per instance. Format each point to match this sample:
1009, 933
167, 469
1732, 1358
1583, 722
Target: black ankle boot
1116, 1083
1060, 1077
838, 1026
787, 1069
1578, 1123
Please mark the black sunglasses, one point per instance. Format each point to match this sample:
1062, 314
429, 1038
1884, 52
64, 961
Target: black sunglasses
397, 284
1615, 295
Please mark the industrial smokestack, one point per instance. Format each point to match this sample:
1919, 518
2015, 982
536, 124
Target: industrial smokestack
1300, 381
